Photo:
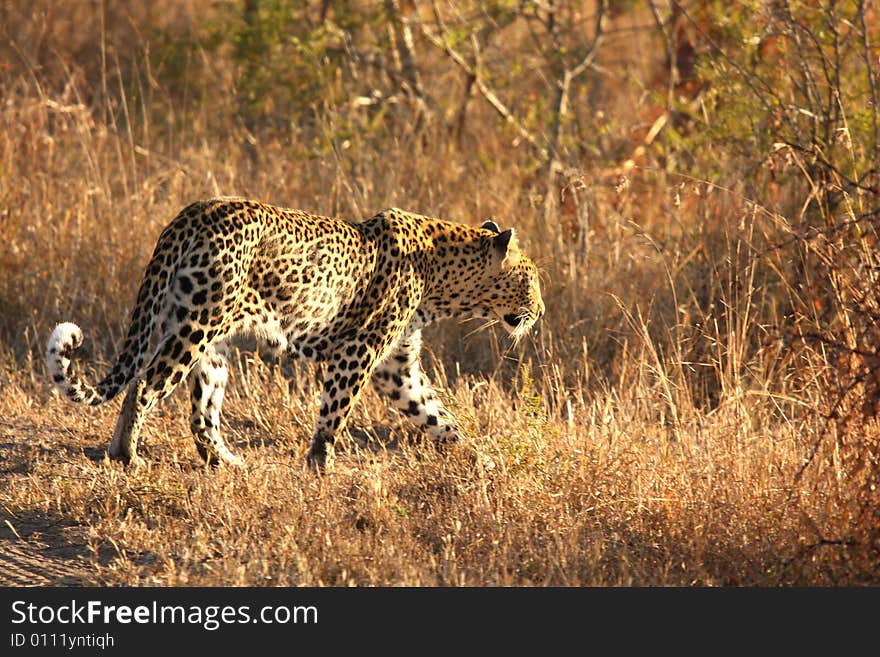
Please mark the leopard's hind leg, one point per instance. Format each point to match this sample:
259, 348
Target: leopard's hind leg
128, 426
179, 351
207, 382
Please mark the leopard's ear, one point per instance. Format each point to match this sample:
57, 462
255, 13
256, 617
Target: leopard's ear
505, 243
491, 225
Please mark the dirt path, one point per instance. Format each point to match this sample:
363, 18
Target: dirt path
23, 565
44, 555
37, 548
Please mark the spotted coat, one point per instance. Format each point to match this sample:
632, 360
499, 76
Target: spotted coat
354, 296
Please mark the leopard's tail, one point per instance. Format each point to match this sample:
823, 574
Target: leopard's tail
65, 339
148, 313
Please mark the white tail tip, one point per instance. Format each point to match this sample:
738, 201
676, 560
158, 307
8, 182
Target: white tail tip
64, 339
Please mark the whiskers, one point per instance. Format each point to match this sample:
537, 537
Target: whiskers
524, 325
526, 320
486, 324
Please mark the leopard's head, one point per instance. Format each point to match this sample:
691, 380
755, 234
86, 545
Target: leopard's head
511, 292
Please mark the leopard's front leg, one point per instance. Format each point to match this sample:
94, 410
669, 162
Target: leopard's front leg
348, 370
400, 376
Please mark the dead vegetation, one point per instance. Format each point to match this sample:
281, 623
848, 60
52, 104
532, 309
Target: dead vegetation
697, 407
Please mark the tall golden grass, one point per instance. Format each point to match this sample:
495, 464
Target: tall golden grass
651, 432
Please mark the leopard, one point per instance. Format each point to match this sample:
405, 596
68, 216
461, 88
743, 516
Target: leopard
351, 295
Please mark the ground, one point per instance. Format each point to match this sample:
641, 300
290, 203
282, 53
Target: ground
600, 495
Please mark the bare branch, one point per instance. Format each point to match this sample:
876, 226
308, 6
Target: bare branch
442, 42
562, 103
866, 54
401, 32
590, 55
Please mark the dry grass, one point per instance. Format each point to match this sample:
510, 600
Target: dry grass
611, 497
646, 436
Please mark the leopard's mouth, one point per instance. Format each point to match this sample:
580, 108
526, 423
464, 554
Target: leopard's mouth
513, 320
518, 325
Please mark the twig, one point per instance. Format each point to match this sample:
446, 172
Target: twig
866, 53
813, 233
562, 103
747, 78
442, 43
807, 549
17, 535
401, 31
